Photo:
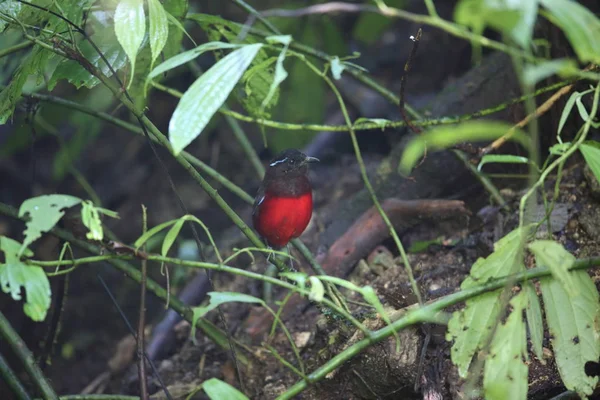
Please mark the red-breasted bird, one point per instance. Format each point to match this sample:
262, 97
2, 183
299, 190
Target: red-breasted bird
283, 204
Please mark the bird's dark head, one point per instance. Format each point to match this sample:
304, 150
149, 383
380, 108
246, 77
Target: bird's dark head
289, 164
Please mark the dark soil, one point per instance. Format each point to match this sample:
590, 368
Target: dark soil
95, 352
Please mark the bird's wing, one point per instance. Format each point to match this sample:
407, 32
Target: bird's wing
260, 197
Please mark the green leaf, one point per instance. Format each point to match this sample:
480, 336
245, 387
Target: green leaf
559, 148
158, 29
44, 212
280, 72
130, 28
573, 327
535, 73
216, 389
151, 232
515, 18
12, 92
502, 158
218, 298
337, 68
446, 136
505, 372
534, 321
317, 290
591, 152
567, 109
579, 25
206, 95
189, 55
173, 233
553, 255
180, 28
90, 217
10, 8
298, 277
470, 328
380, 122
14, 274
171, 237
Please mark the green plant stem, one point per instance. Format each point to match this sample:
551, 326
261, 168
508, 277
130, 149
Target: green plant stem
11, 379
483, 179
257, 15
425, 314
371, 125
15, 48
237, 130
98, 397
560, 160
118, 260
26, 357
290, 126
365, 177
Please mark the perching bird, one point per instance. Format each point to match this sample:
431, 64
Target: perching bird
283, 204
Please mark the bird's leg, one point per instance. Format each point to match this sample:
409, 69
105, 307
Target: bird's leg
289, 251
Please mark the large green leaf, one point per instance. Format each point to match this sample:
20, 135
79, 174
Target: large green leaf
470, 328
216, 389
505, 373
14, 274
591, 153
580, 26
44, 212
206, 95
515, 18
553, 255
535, 322
573, 324
158, 29
535, 73
258, 78
130, 28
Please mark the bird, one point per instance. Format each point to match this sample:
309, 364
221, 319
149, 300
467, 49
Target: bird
283, 204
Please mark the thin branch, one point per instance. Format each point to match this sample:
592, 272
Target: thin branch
15, 48
367, 182
141, 335
431, 20
541, 110
26, 357
416, 39
12, 380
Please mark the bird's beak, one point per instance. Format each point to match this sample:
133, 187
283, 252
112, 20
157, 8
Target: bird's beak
311, 159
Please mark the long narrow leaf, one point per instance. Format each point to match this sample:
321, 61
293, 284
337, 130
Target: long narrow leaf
206, 95
189, 55
573, 327
158, 28
130, 28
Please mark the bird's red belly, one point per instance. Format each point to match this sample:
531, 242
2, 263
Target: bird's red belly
279, 219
